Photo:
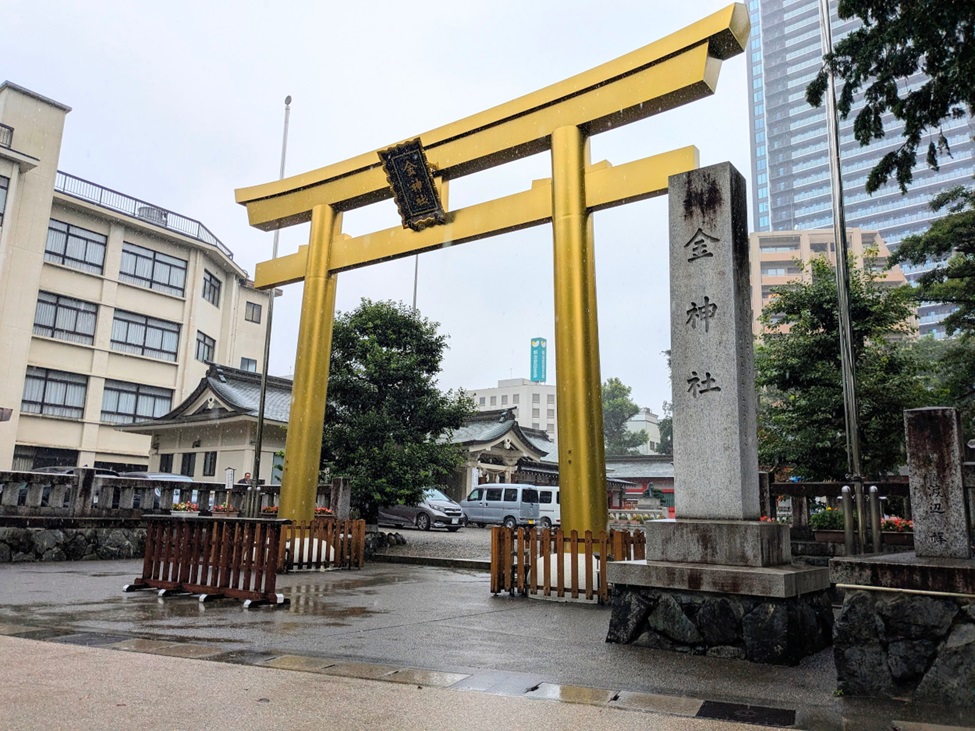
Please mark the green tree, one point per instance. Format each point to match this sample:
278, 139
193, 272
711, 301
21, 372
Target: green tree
618, 407
385, 419
897, 41
666, 425
801, 416
950, 245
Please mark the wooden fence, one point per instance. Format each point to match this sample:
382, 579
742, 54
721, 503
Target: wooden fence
549, 562
214, 557
323, 543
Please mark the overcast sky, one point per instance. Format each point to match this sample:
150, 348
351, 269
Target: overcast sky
179, 103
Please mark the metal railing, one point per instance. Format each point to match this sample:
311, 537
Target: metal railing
115, 201
6, 136
47, 495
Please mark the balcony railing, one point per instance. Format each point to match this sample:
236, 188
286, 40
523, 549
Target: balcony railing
113, 200
6, 136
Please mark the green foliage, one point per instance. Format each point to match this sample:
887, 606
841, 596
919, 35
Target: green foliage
828, 519
897, 41
666, 424
618, 407
949, 375
950, 245
801, 414
385, 420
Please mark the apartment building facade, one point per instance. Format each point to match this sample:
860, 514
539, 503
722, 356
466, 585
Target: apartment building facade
790, 157
775, 258
111, 308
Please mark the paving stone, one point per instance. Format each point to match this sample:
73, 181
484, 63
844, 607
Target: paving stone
434, 678
358, 670
300, 662
571, 694
676, 705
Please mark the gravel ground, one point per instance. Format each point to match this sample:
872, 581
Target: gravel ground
469, 542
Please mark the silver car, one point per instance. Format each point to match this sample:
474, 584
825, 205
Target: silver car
435, 510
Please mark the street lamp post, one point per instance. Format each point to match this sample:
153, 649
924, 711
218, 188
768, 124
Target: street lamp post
253, 501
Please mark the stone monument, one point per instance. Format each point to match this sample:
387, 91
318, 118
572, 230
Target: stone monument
907, 626
717, 580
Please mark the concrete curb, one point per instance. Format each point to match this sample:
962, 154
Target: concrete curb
478, 564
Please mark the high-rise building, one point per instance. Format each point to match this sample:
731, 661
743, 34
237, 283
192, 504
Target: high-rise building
790, 156
111, 308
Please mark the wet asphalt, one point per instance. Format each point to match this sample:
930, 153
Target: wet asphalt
420, 618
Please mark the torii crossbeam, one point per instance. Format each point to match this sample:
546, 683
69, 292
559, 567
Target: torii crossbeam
670, 72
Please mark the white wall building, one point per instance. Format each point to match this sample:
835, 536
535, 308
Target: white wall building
646, 421
535, 403
111, 308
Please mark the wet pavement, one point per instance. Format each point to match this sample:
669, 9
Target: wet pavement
432, 628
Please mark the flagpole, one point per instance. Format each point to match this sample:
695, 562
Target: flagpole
253, 502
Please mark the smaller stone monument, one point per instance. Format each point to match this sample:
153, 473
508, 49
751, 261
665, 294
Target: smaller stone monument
907, 626
717, 580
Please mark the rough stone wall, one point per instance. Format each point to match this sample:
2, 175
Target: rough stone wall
906, 645
70, 544
760, 629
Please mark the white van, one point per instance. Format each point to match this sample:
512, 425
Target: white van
502, 503
549, 507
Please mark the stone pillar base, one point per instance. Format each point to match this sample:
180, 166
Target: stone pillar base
763, 629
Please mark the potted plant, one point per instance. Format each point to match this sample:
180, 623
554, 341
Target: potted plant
321, 512
186, 509
897, 531
270, 510
225, 510
827, 525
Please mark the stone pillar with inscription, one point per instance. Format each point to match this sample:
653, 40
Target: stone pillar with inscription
716, 580
934, 461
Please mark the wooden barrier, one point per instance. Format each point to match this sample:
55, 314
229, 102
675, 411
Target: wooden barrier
323, 543
532, 561
214, 557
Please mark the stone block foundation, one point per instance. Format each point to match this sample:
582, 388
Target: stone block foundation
773, 630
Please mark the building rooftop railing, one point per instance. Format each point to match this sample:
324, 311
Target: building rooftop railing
6, 136
115, 201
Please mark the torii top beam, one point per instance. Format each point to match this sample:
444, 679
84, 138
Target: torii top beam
667, 73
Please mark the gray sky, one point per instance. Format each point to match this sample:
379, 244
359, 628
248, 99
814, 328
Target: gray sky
179, 103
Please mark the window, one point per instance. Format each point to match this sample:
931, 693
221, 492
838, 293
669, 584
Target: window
252, 312
27, 458
248, 364
188, 466
152, 269
211, 288
510, 494
545, 497
493, 494
209, 464
166, 463
536, 413
142, 335
4, 183
65, 318
75, 247
536, 398
205, 347
494, 401
550, 398
127, 403
515, 398
480, 401
54, 393
504, 400
550, 413
536, 425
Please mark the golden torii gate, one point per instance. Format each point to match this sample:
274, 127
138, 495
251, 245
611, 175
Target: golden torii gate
670, 72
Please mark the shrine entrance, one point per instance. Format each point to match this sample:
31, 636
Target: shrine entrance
675, 70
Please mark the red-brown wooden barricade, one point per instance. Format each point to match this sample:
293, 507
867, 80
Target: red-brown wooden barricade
533, 561
214, 557
323, 543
